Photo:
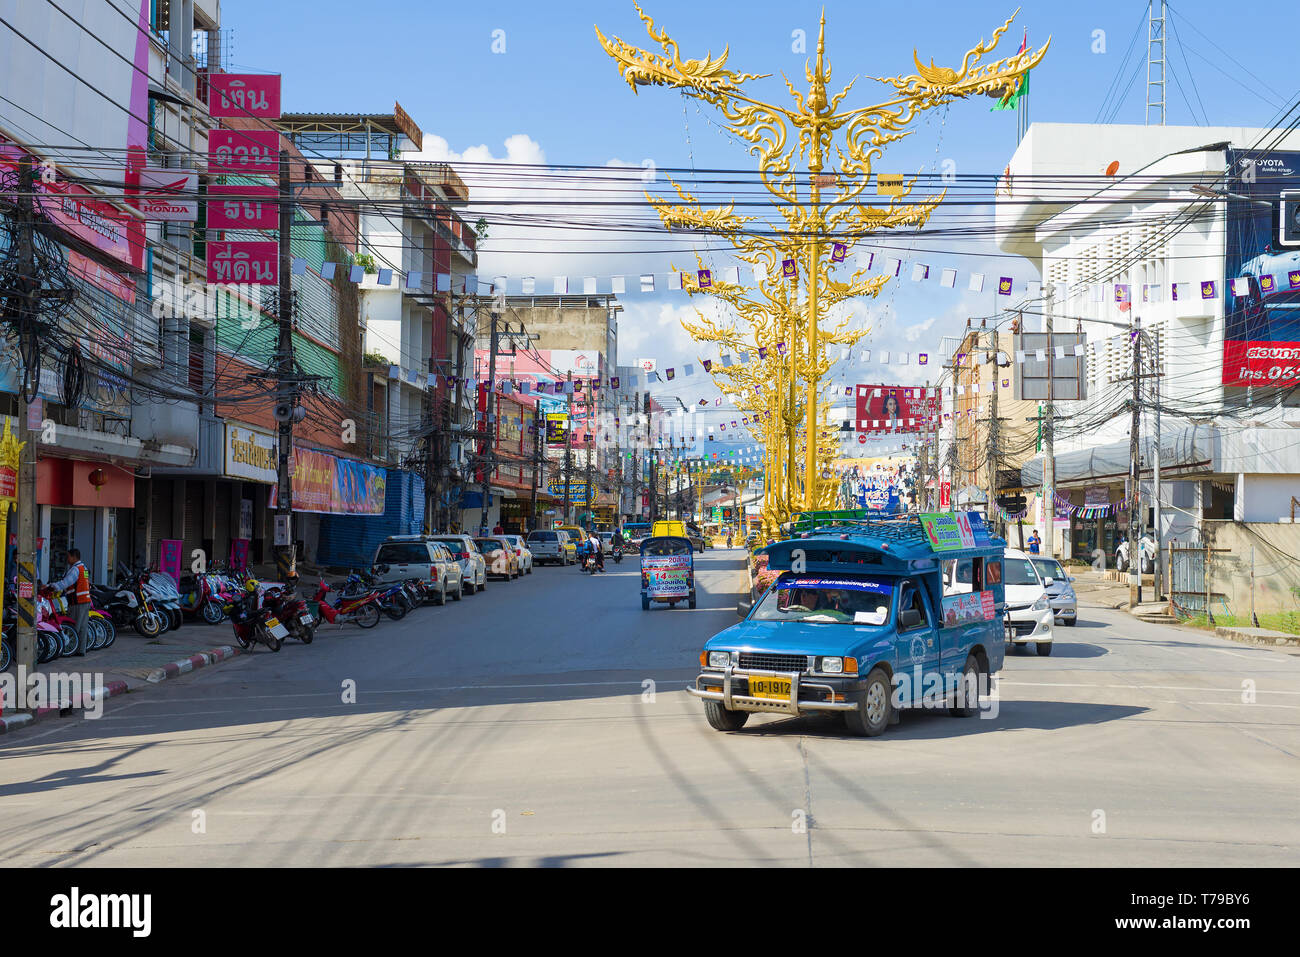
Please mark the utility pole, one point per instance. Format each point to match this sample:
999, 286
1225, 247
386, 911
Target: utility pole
590, 443
28, 290
1049, 439
1135, 473
537, 458
286, 385
994, 455
568, 448
489, 424
653, 485
1157, 580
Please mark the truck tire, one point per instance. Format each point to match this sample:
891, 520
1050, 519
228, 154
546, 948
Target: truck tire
967, 702
875, 706
720, 719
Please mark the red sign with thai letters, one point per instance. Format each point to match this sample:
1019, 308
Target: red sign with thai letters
250, 95
256, 263
243, 207
244, 152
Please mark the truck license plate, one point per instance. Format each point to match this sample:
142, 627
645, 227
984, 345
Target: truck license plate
778, 688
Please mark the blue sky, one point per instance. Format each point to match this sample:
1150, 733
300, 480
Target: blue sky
557, 94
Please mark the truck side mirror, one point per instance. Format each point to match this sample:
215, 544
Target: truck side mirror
909, 618
743, 608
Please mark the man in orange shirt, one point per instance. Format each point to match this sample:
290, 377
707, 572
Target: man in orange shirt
77, 583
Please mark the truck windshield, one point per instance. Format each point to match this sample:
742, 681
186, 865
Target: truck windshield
848, 601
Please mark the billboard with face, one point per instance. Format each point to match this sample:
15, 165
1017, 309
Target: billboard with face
894, 408
1262, 320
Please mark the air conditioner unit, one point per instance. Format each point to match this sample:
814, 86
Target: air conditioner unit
1288, 233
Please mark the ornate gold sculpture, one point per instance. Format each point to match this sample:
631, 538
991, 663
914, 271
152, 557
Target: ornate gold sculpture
812, 222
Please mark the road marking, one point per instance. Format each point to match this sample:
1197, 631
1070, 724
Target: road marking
1051, 684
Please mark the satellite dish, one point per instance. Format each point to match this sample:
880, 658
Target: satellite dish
1113, 168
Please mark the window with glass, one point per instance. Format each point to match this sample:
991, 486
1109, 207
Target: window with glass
850, 601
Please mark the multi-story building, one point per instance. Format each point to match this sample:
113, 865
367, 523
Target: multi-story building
418, 295
1170, 232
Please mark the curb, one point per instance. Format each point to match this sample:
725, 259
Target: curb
114, 688
185, 665
1258, 636
13, 722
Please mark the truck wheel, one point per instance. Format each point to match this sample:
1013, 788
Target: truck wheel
872, 715
645, 603
967, 700
1044, 648
720, 719
691, 603
460, 592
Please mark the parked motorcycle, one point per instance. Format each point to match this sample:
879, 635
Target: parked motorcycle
363, 609
284, 603
54, 609
254, 622
166, 596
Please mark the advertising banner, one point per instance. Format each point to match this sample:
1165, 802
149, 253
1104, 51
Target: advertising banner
667, 576
167, 195
1262, 314
331, 485
964, 609
892, 408
169, 557
952, 531
557, 424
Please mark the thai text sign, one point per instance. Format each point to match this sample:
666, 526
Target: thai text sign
253, 263
667, 576
243, 207
968, 608
950, 531
250, 454
244, 94
557, 424
246, 152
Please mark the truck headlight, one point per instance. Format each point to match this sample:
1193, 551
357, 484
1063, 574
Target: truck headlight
719, 659
1040, 605
831, 666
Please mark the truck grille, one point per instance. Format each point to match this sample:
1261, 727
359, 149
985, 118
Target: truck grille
759, 662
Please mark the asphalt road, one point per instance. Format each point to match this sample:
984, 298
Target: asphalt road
518, 727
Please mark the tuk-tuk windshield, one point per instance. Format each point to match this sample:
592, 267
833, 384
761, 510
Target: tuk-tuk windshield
848, 601
666, 546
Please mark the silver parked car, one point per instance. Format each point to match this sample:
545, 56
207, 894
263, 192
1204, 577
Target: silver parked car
522, 552
473, 567
1060, 589
547, 546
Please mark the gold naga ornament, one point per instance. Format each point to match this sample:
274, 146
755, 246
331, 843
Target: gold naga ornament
782, 138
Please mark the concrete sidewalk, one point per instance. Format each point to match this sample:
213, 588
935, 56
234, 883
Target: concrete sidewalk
132, 663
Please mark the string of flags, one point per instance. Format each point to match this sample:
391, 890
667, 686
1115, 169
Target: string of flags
702, 280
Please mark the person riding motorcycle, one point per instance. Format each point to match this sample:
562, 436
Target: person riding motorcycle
597, 553
616, 540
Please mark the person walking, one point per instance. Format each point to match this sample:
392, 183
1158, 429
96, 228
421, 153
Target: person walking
1034, 542
77, 581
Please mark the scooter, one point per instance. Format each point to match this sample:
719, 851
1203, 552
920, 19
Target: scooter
362, 609
618, 554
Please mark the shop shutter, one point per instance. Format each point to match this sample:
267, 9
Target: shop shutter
160, 501
193, 537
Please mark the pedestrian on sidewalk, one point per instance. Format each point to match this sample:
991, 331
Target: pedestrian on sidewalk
77, 581
1034, 542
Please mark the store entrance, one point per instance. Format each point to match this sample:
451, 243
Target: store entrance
71, 527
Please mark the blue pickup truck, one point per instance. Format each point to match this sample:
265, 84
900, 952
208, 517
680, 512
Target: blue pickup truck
858, 622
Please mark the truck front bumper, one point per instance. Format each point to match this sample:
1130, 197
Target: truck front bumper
807, 692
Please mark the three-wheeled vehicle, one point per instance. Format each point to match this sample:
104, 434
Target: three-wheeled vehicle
667, 571
857, 622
